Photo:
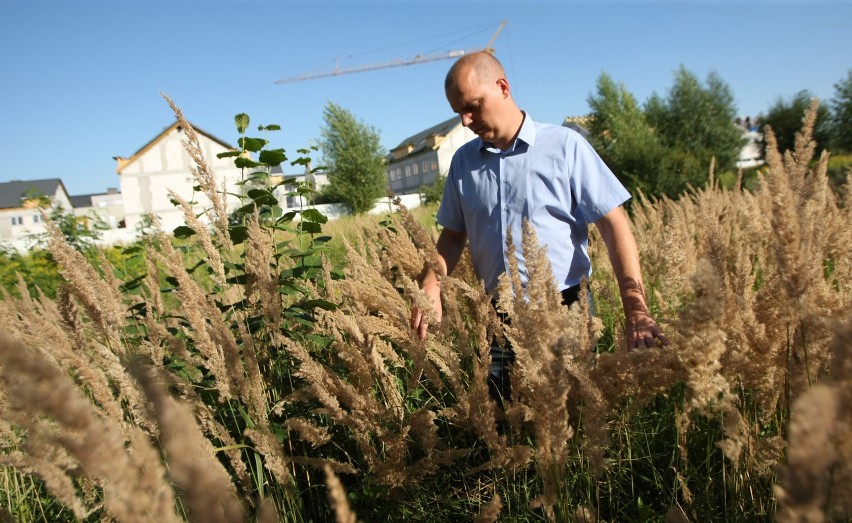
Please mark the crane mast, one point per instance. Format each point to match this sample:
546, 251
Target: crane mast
419, 59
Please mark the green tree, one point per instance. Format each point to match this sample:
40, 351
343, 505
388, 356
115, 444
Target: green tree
785, 119
80, 232
433, 192
624, 139
841, 114
354, 157
696, 123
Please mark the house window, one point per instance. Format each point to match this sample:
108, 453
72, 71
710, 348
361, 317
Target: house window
407, 171
36, 218
425, 166
434, 165
414, 169
17, 220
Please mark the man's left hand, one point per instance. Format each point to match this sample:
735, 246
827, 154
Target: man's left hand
643, 332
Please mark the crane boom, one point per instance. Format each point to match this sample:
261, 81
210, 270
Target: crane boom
419, 59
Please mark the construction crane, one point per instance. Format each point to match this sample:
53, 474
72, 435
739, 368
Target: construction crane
419, 59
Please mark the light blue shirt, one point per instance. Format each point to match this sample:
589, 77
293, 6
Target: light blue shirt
550, 175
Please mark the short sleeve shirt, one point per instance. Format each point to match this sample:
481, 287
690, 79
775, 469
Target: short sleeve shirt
550, 176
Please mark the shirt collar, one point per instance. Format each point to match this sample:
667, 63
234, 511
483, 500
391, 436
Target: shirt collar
525, 135
527, 132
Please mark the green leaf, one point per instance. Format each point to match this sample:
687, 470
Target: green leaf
313, 215
242, 122
272, 157
243, 162
231, 447
245, 415
183, 231
304, 190
319, 304
280, 432
321, 341
311, 227
238, 233
262, 197
246, 209
239, 279
228, 154
272, 127
252, 144
287, 217
196, 266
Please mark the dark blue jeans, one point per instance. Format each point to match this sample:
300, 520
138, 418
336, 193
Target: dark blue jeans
502, 358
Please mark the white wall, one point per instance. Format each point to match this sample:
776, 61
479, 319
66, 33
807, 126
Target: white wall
146, 181
129, 234
454, 140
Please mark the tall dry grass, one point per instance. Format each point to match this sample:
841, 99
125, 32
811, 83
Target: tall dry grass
228, 405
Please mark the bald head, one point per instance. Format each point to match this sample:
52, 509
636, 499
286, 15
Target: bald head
480, 67
477, 90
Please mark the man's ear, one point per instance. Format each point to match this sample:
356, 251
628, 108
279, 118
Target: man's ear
503, 84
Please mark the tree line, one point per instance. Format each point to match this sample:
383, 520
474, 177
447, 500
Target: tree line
660, 147
667, 144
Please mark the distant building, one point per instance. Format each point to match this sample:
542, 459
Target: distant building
751, 155
421, 158
581, 124
285, 193
108, 207
20, 215
161, 165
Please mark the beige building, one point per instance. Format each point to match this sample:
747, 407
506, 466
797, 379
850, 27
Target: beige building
163, 164
420, 159
20, 215
108, 207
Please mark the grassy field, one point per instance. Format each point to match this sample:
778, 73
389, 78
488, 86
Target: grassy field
266, 372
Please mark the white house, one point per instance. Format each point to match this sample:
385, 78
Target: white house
751, 155
285, 192
420, 159
19, 205
163, 164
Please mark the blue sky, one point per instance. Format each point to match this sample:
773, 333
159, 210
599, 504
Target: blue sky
81, 78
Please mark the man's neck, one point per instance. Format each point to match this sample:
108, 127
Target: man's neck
517, 124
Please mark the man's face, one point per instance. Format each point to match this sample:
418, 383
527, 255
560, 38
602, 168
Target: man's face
478, 105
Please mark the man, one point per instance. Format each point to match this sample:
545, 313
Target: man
520, 169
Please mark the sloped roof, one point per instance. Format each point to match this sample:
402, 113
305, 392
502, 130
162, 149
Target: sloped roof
418, 141
581, 124
124, 162
81, 200
583, 120
12, 193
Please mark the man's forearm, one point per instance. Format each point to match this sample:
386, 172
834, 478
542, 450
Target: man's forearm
641, 330
624, 257
450, 245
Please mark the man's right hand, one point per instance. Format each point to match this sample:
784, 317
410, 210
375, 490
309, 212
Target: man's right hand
449, 246
418, 318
